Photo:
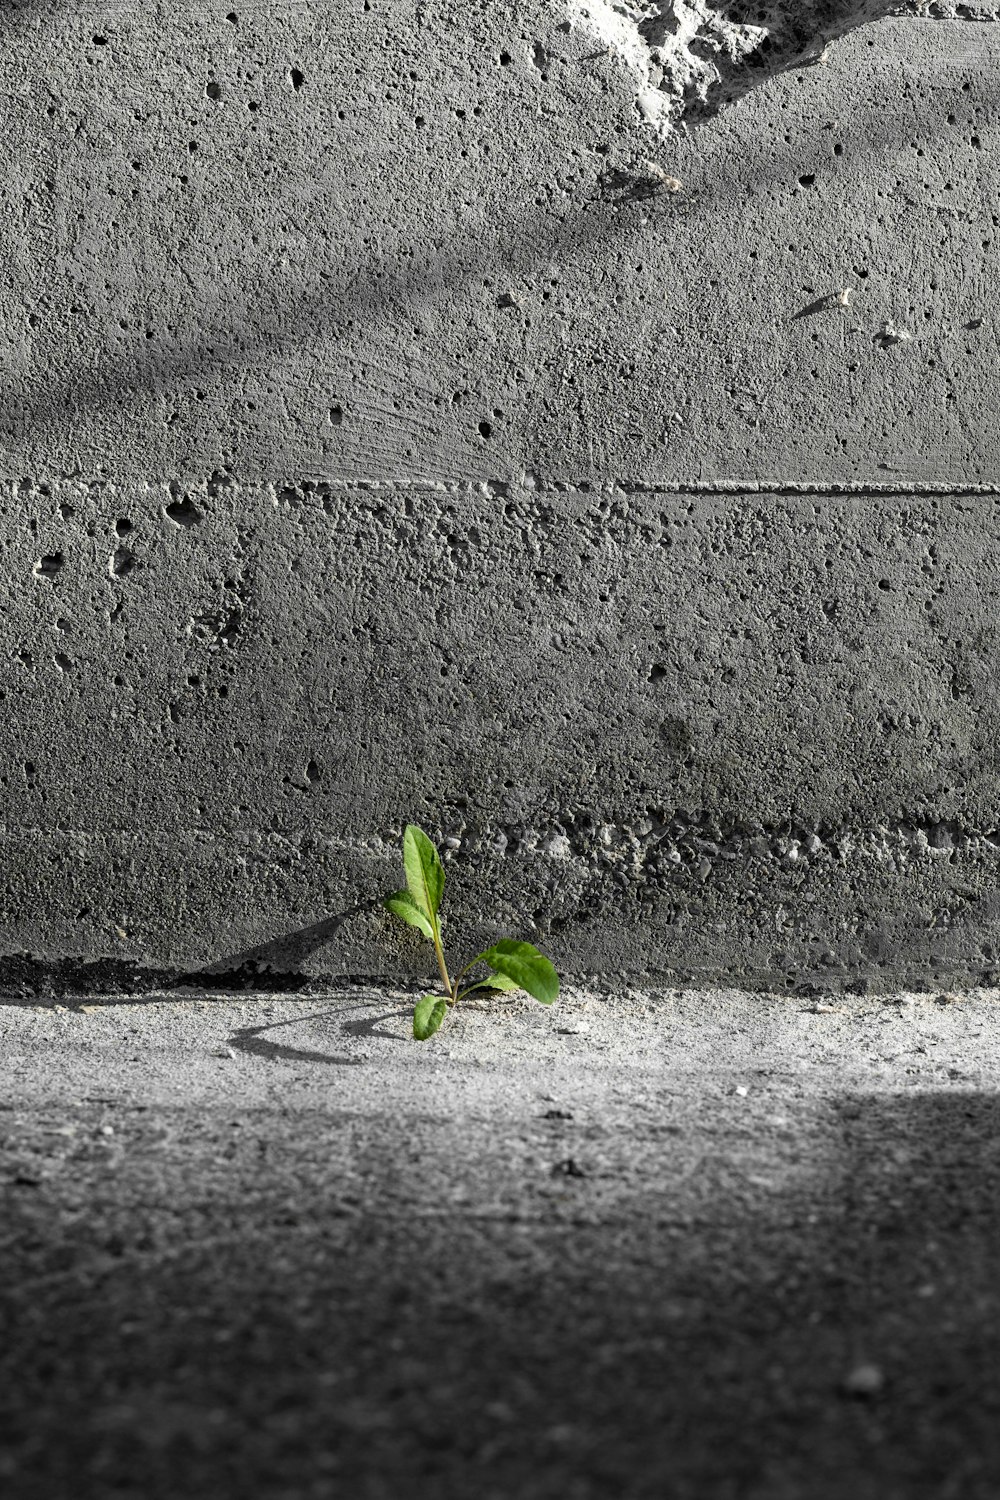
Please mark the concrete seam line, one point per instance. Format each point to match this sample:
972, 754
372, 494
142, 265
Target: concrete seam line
735, 487
560, 840
503, 488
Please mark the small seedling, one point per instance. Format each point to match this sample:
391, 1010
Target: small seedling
515, 966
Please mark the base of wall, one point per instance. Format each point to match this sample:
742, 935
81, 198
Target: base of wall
734, 738
893, 912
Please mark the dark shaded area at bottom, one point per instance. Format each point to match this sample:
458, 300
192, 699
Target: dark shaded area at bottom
318, 1348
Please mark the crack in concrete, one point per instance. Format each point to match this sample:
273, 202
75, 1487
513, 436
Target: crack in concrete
690, 58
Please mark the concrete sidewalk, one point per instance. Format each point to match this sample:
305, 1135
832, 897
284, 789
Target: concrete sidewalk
642, 1245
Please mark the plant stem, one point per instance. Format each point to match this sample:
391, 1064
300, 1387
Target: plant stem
460, 976
439, 951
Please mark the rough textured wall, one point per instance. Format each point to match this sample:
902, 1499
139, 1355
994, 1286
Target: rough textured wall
398, 425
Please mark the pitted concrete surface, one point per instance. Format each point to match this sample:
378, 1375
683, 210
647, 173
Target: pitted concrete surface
696, 735
374, 244
645, 1244
396, 426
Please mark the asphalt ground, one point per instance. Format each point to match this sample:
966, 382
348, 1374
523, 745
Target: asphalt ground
644, 1244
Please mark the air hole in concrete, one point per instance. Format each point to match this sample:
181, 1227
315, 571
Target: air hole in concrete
807, 179
122, 562
99, 41
656, 671
62, 661
49, 566
123, 526
62, 624
313, 773
297, 78
485, 429
336, 416
184, 513
232, 18
505, 59
213, 90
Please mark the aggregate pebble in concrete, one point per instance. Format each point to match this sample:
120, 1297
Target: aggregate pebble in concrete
643, 1244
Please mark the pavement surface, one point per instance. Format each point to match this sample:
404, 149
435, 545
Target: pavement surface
641, 1245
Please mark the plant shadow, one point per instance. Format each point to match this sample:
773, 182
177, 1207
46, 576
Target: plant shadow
374, 1025
255, 1041
275, 966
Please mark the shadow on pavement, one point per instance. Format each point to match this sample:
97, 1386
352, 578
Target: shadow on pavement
181, 1327
258, 1042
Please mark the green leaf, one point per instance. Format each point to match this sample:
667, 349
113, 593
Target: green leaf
427, 1017
526, 967
497, 982
424, 871
403, 905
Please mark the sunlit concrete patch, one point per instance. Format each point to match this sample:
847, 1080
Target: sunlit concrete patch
691, 57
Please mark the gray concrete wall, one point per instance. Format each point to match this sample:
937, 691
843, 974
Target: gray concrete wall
384, 438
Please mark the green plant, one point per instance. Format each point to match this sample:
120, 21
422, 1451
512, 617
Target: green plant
515, 966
